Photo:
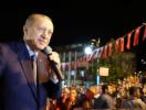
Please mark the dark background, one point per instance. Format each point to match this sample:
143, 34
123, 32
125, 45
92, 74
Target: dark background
76, 21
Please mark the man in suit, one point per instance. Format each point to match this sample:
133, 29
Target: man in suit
18, 88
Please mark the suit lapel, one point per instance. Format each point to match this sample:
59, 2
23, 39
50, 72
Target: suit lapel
26, 64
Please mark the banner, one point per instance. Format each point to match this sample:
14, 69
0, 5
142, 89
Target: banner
103, 71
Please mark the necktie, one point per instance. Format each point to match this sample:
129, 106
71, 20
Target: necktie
34, 68
36, 79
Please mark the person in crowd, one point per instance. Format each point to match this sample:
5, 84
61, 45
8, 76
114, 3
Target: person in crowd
134, 101
143, 97
104, 100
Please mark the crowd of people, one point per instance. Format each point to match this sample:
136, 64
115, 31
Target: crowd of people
128, 93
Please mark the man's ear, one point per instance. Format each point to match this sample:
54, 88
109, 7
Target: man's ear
24, 29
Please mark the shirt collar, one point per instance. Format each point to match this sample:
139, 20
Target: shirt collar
30, 51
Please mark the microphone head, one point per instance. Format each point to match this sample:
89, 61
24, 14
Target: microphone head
47, 50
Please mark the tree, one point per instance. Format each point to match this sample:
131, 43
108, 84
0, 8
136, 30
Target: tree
120, 65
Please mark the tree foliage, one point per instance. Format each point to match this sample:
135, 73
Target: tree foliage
120, 65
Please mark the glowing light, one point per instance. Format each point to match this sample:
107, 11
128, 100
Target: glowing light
88, 50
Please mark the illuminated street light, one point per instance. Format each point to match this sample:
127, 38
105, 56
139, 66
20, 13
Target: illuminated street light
88, 50
93, 44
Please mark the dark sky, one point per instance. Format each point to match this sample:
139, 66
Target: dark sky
75, 20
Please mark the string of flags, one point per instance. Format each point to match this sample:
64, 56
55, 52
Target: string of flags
126, 42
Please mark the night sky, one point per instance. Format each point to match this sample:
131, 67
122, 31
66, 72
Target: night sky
76, 21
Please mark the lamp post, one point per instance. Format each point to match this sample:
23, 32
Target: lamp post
89, 50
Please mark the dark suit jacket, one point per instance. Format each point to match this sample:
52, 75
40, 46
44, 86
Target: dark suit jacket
17, 88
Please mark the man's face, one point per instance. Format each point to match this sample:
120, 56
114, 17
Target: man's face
38, 34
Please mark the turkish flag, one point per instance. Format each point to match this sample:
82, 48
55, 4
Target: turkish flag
110, 49
121, 44
129, 40
117, 45
136, 36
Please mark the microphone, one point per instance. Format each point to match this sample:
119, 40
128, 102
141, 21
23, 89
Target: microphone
56, 69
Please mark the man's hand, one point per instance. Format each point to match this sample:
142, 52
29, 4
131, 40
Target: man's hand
56, 58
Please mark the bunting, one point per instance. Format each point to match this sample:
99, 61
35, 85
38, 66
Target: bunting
136, 36
106, 51
110, 49
121, 44
117, 45
129, 40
